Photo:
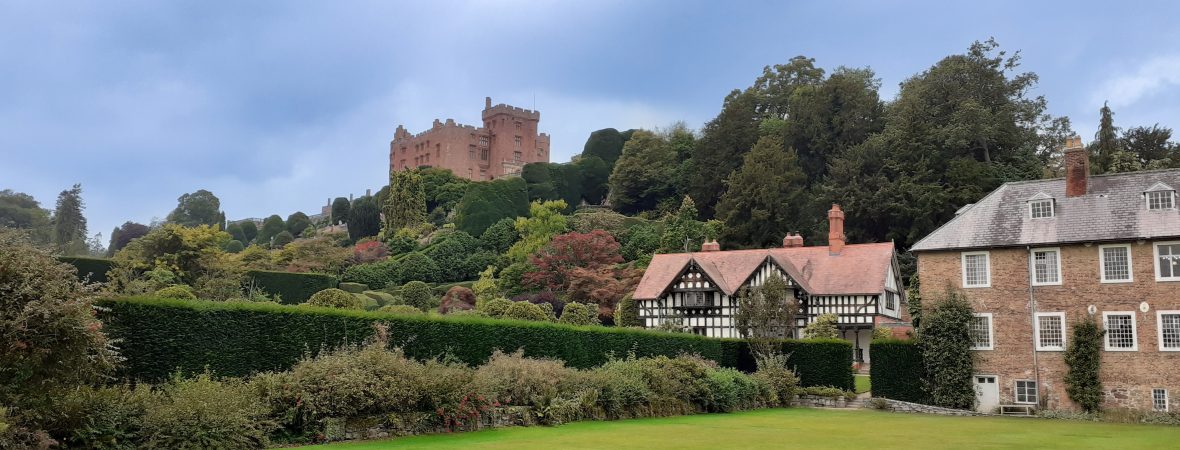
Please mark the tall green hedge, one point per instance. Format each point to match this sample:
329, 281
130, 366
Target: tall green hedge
160, 336
96, 268
292, 287
897, 370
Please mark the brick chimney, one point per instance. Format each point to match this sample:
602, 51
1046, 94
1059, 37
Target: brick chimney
711, 246
835, 230
1077, 167
793, 240
487, 103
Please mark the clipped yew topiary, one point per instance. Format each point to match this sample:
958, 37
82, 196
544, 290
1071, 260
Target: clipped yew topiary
897, 370
526, 311
627, 313
419, 295
1084, 360
335, 298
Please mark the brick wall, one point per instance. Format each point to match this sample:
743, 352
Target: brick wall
1128, 377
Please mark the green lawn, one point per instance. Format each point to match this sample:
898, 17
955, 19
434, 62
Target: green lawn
863, 384
803, 428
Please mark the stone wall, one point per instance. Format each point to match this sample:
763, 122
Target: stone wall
900, 406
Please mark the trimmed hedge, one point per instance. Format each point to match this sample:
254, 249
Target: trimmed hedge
97, 268
897, 370
160, 336
292, 287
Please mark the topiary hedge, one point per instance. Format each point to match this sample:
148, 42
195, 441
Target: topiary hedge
161, 336
96, 268
897, 370
292, 287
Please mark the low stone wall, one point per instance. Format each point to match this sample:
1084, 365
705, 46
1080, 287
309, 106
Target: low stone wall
408, 424
900, 406
816, 401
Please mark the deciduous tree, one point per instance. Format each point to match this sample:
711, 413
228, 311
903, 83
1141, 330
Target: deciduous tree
552, 265
20, 210
197, 208
544, 222
766, 314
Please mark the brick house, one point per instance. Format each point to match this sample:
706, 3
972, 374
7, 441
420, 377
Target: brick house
506, 142
699, 291
1036, 257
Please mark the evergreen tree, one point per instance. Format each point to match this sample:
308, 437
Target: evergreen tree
719, 150
405, 206
21, 210
364, 218
69, 225
296, 223
198, 208
605, 144
1106, 141
644, 174
1083, 358
766, 196
340, 207
249, 231
271, 227
234, 230
946, 342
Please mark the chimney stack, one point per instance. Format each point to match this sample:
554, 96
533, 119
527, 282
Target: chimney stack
487, 103
711, 246
835, 230
793, 240
1077, 167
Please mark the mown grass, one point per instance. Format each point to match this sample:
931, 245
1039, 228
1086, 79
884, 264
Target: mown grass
802, 428
863, 384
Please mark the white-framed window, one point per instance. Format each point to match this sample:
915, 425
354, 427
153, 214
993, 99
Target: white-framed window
1114, 263
1160, 200
890, 300
1050, 331
1026, 392
1167, 261
1120, 331
1159, 399
976, 269
1046, 266
980, 330
1040, 209
1168, 323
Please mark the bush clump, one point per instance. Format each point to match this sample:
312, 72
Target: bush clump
335, 298
526, 311
579, 314
177, 291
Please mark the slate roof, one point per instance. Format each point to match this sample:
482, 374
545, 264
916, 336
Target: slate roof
1113, 209
858, 269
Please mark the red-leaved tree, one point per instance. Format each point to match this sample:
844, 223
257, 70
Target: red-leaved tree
566, 252
603, 286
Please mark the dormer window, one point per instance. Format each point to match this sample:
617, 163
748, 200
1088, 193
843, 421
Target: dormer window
1160, 196
1040, 206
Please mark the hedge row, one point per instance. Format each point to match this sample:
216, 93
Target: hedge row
292, 287
897, 370
160, 336
95, 268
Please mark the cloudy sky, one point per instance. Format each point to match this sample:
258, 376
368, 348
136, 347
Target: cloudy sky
277, 106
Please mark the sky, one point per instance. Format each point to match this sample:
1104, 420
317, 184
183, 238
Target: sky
278, 106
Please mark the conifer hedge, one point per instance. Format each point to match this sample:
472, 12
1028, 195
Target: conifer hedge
160, 336
95, 268
292, 287
897, 370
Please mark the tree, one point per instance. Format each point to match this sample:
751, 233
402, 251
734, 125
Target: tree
296, 223
20, 210
364, 218
1152, 147
719, 151
416, 266
644, 174
1106, 141
595, 175
405, 206
605, 144
831, 116
419, 295
766, 314
123, 234
190, 253
282, 239
197, 208
552, 265
823, 327
1083, 359
486, 203
234, 230
945, 340
500, 236
443, 189
271, 227
486, 288
627, 313
602, 286
544, 222
69, 225
766, 196
249, 231
450, 253
640, 242
340, 208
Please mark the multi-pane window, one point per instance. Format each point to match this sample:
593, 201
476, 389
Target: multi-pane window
1167, 261
1169, 330
1120, 331
1161, 200
1026, 391
980, 330
1116, 263
890, 300
1040, 209
1050, 331
976, 270
1159, 399
1046, 267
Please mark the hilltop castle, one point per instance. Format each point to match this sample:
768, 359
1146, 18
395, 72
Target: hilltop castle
506, 142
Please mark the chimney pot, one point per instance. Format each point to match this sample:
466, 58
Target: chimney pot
835, 230
1077, 167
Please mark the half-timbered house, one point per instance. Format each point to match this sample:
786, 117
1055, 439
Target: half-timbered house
699, 291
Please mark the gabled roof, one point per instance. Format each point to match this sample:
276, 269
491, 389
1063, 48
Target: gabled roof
1113, 209
858, 269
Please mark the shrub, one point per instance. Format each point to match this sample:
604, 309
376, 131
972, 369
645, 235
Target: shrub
627, 313
416, 266
545, 299
897, 369
1084, 361
781, 382
823, 327
290, 287
946, 351
511, 281
382, 298
354, 288
486, 287
400, 309
102, 417
731, 390
496, 307
512, 379
376, 275
828, 391
882, 333
419, 295
89, 269
369, 252
282, 239
457, 298
205, 413
177, 291
579, 314
334, 298
526, 311
234, 246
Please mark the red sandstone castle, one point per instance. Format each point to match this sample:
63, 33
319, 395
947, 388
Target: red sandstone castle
506, 142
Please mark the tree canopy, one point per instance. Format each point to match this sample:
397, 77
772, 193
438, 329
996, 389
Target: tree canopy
197, 208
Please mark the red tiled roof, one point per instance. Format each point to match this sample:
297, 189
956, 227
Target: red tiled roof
858, 269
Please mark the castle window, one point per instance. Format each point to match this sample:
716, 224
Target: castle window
980, 330
1046, 267
1040, 209
976, 270
483, 154
1169, 330
1115, 263
471, 151
1159, 399
518, 142
1167, 261
1026, 392
1050, 331
1120, 331
516, 156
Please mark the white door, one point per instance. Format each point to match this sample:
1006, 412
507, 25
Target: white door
987, 393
